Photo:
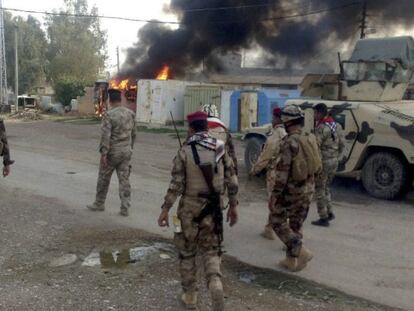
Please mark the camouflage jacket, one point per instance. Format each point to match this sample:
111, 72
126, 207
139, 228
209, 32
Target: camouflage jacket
186, 176
284, 185
4, 145
271, 149
118, 131
330, 140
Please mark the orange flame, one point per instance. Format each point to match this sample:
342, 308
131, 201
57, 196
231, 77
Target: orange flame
121, 85
164, 73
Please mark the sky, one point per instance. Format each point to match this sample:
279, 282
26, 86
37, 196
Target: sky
120, 33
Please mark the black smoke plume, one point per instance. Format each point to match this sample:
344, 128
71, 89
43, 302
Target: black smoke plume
296, 30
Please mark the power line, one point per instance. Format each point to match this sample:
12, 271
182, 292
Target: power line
305, 14
319, 11
90, 16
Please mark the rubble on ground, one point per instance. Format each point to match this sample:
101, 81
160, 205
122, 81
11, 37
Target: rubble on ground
27, 115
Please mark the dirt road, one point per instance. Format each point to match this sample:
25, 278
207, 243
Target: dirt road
367, 252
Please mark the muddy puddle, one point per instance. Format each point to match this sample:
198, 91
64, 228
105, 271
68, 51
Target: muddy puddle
121, 258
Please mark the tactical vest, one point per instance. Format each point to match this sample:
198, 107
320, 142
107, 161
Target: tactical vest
308, 161
195, 182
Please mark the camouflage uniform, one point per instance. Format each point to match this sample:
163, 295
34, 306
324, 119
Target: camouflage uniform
198, 239
331, 145
292, 198
269, 156
117, 141
225, 136
4, 145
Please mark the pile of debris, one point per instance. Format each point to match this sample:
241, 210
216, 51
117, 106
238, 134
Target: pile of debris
27, 115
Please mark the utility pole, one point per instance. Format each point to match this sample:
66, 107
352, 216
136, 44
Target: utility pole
364, 20
4, 92
16, 68
117, 58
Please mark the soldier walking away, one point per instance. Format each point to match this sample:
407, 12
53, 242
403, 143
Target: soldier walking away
328, 135
218, 130
5, 150
293, 188
202, 171
117, 142
268, 160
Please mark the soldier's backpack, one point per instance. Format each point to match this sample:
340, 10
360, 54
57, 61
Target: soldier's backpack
308, 160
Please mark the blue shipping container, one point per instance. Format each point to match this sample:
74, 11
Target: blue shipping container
267, 99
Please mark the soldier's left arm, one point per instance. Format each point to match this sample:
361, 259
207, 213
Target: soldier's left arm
133, 132
230, 179
5, 153
341, 142
177, 184
232, 151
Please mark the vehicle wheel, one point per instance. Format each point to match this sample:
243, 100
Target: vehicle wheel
252, 151
385, 176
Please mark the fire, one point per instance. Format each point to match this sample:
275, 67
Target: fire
164, 73
121, 85
127, 86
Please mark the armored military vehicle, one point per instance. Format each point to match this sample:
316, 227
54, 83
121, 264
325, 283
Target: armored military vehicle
366, 99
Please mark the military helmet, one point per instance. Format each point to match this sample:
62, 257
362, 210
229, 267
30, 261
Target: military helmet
291, 112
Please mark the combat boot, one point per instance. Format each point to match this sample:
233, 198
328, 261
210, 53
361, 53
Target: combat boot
331, 216
95, 207
268, 233
289, 263
189, 299
322, 222
124, 212
304, 257
216, 290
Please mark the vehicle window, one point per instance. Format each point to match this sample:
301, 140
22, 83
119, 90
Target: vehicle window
375, 71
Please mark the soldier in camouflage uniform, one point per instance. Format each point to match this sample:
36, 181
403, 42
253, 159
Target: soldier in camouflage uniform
4, 150
117, 142
328, 134
218, 130
195, 235
291, 196
268, 160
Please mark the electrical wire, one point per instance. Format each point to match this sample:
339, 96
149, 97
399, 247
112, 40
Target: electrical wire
305, 14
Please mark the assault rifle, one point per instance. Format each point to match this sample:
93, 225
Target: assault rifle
213, 206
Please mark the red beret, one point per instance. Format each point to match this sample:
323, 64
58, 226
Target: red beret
277, 112
197, 116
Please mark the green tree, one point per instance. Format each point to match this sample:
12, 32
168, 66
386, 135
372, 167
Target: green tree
67, 88
32, 48
77, 46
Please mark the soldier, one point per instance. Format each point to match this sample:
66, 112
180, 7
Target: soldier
218, 130
293, 188
330, 142
4, 150
202, 171
268, 160
117, 142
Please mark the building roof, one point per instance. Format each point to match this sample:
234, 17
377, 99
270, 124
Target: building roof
255, 79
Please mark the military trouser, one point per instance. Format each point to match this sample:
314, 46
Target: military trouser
196, 240
121, 163
323, 185
287, 217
